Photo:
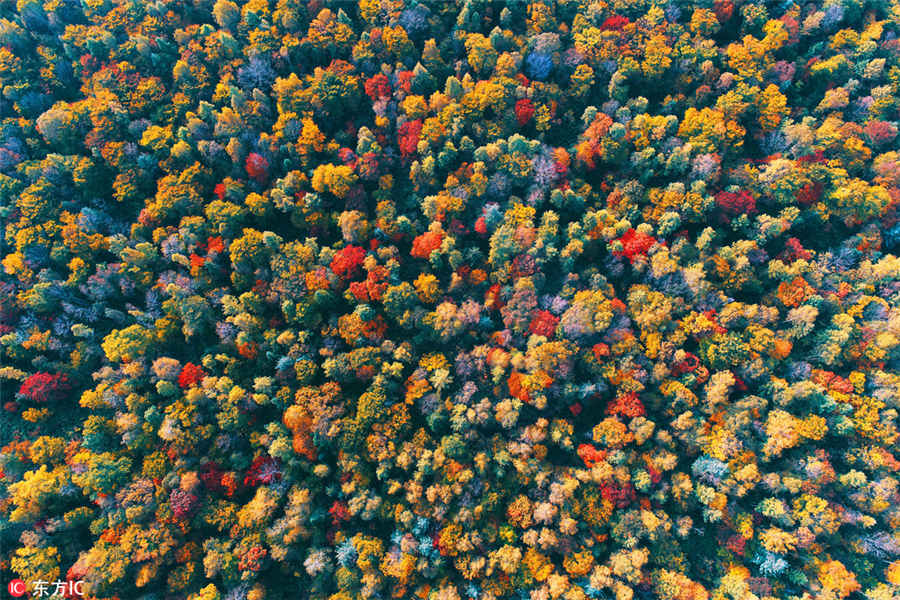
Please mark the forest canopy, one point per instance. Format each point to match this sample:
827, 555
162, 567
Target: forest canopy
559, 299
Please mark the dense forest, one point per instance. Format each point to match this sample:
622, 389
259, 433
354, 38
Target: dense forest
560, 299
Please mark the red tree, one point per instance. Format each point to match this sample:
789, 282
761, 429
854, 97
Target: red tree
524, 111
347, 261
733, 204
408, 136
190, 375
635, 243
426, 243
45, 387
543, 323
628, 405
378, 86
257, 167
614, 23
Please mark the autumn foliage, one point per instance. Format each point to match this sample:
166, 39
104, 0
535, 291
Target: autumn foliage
450, 300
